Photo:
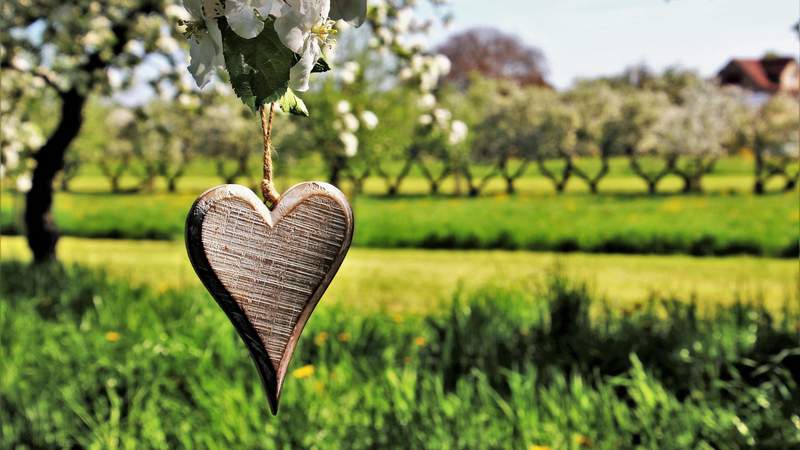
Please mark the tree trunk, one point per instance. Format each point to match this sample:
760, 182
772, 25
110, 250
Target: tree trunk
791, 184
335, 170
434, 187
758, 186
652, 186
64, 184
692, 184
593, 186
40, 228
510, 189
115, 184
172, 184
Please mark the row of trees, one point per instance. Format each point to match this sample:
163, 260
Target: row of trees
385, 135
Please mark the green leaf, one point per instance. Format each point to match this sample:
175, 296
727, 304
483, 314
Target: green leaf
320, 66
258, 67
292, 104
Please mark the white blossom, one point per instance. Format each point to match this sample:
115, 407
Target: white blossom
343, 107
245, 16
350, 142
349, 72
369, 119
427, 101
205, 39
458, 132
24, 183
350, 122
304, 28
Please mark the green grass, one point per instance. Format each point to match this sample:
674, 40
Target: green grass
88, 362
701, 225
417, 281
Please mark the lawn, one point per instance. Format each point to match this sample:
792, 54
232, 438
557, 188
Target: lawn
403, 281
712, 224
88, 362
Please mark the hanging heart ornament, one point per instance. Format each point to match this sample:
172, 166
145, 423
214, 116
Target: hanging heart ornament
268, 269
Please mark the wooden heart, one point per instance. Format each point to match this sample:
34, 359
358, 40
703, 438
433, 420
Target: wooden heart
268, 269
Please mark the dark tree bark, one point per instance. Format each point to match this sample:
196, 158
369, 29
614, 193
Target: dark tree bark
651, 178
434, 180
172, 184
592, 181
559, 180
758, 186
40, 228
393, 184
791, 183
336, 165
512, 176
476, 185
693, 172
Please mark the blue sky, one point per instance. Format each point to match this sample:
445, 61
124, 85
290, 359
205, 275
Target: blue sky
583, 38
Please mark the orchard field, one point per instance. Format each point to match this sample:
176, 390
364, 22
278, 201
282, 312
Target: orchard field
606, 264
726, 220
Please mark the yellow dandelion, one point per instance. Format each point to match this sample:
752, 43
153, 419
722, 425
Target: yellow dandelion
320, 338
343, 337
582, 440
419, 341
539, 447
112, 336
397, 318
303, 372
672, 205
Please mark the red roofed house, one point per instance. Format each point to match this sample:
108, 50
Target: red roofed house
768, 75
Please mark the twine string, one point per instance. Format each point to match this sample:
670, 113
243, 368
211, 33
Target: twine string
268, 190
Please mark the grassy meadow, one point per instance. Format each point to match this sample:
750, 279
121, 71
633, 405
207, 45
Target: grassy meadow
418, 281
667, 321
88, 362
727, 220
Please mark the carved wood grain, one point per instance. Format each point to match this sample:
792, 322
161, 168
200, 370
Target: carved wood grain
269, 269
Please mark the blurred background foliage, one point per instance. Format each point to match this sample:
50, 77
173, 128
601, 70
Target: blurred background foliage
612, 265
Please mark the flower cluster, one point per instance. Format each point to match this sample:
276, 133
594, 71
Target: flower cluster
305, 27
348, 122
394, 28
439, 121
19, 136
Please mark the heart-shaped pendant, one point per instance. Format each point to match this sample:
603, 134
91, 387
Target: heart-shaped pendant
268, 269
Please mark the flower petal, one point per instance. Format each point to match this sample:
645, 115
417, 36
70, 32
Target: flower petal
195, 8
242, 19
300, 73
291, 30
204, 61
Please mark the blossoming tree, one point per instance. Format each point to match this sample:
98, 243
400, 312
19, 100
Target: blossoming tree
771, 132
76, 49
697, 132
88, 47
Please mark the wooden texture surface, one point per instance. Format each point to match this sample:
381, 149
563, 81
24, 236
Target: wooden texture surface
268, 269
